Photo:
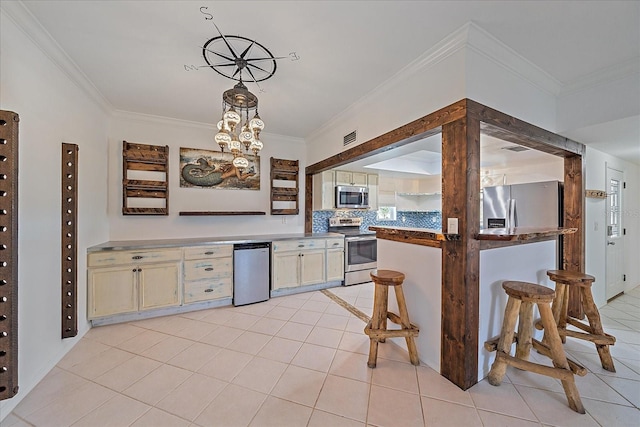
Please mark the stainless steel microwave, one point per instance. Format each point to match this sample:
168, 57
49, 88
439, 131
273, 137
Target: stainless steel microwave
353, 197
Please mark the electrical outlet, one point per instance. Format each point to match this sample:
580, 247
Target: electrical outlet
595, 226
452, 225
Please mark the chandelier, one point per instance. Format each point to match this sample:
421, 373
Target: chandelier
235, 130
230, 56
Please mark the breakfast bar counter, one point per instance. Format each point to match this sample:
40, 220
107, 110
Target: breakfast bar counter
522, 254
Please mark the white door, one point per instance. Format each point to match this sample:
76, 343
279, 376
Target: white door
614, 233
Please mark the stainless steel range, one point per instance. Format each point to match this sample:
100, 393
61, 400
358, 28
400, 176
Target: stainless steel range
361, 249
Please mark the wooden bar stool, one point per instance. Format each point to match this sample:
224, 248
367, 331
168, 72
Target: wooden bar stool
376, 329
522, 296
593, 331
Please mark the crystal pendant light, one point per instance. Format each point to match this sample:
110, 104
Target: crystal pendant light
232, 133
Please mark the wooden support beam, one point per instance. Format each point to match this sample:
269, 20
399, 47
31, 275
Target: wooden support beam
461, 258
573, 244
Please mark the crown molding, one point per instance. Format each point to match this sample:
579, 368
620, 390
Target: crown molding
619, 71
483, 43
439, 52
170, 121
20, 15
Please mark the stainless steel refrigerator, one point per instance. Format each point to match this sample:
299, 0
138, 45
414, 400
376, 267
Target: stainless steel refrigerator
536, 204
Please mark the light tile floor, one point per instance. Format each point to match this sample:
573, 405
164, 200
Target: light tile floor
300, 360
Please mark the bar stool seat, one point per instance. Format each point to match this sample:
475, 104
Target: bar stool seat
522, 296
592, 331
376, 329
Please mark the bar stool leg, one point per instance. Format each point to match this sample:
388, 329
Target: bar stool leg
378, 319
593, 315
406, 324
525, 330
499, 367
559, 358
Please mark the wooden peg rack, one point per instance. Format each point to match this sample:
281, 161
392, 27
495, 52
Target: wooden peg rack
284, 170
147, 159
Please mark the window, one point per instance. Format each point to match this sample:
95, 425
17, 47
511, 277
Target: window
386, 213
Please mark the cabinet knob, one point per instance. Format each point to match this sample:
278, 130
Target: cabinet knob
301, 246
209, 253
208, 269
137, 257
208, 290
134, 270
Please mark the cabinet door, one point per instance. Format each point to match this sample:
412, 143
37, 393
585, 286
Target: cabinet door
324, 190
343, 178
159, 285
335, 264
286, 270
312, 267
358, 178
112, 290
372, 183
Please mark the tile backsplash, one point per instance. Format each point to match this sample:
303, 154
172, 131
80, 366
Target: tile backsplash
430, 219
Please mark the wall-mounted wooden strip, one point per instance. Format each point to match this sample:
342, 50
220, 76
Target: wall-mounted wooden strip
8, 254
69, 240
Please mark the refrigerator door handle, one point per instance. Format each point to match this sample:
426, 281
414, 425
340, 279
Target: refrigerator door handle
512, 219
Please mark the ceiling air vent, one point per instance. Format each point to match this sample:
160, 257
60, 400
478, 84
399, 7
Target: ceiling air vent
516, 148
349, 138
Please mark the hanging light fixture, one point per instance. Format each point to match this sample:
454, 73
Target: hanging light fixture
234, 133
231, 56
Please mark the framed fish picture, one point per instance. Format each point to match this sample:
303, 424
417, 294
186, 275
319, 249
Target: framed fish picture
214, 169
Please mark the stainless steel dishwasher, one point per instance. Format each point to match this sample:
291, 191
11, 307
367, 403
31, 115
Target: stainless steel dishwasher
251, 273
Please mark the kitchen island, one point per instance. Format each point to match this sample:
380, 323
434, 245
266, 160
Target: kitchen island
506, 254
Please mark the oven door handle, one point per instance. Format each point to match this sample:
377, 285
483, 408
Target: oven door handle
359, 239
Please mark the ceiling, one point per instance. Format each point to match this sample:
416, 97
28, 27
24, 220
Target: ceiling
134, 52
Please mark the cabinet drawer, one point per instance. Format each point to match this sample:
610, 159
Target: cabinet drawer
108, 258
298, 244
212, 251
207, 290
335, 243
214, 269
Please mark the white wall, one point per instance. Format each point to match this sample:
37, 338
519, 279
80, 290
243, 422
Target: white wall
52, 110
433, 81
176, 134
595, 239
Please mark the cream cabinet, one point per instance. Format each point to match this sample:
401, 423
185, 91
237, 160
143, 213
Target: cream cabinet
129, 281
208, 273
324, 185
351, 178
372, 183
298, 262
335, 260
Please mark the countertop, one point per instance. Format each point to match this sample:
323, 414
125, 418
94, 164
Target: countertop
419, 236
522, 233
488, 236
197, 241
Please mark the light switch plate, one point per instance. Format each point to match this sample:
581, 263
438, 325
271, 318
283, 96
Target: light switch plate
452, 225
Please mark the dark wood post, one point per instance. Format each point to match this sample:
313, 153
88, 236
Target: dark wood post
573, 247
308, 203
461, 258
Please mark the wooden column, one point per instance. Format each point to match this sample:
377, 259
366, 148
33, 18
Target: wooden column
308, 203
461, 258
573, 244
